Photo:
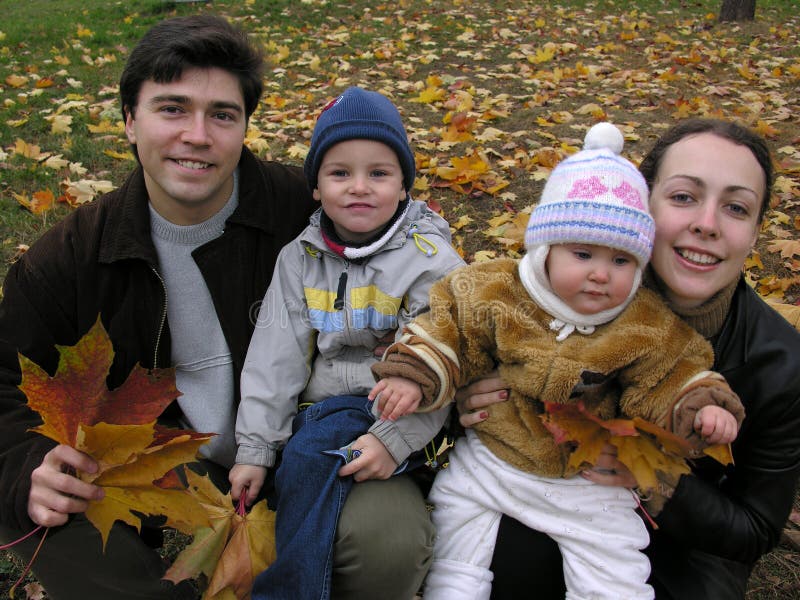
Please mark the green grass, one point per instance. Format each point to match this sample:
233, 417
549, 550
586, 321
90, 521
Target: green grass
644, 78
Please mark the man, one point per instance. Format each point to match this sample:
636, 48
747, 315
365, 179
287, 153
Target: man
175, 263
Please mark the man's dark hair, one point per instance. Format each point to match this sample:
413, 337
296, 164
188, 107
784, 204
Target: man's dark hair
203, 41
728, 130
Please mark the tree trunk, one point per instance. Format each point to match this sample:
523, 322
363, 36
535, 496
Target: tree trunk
737, 10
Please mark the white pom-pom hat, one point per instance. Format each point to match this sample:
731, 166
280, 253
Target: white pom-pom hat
592, 197
595, 197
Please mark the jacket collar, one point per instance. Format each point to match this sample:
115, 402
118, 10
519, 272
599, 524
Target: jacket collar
126, 230
732, 345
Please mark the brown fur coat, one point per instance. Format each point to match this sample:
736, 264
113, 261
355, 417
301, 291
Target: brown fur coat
639, 365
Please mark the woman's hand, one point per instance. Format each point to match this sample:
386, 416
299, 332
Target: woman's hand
609, 470
472, 399
56, 492
375, 461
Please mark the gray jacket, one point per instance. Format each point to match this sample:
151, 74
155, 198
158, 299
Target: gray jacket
320, 322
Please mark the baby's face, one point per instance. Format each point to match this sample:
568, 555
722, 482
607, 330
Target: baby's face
360, 185
588, 278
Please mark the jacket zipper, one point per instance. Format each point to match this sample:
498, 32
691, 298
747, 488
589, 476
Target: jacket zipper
341, 290
163, 316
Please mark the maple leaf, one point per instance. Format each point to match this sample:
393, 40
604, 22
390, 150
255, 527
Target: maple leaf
16, 81
40, 202
85, 190
29, 150
643, 447
787, 248
233, 550
77, 394
130, 463
117, 428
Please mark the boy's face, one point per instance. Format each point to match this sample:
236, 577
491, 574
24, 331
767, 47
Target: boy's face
189, 134
360, 185
588, 278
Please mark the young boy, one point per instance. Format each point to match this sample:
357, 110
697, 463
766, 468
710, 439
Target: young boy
566, 323
361, 269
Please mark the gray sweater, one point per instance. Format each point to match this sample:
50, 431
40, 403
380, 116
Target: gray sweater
200, 354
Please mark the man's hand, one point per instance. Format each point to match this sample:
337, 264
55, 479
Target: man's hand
472, 399
375, 461
396, 397
56, 492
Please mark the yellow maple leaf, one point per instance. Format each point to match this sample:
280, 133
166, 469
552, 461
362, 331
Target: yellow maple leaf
461, 222
16, 81
429, 95
127, 155
107, 127
787, 248
643, 447
40, 202
765, 129
130, 464
27, 150
60, 123
233, 550
84, 190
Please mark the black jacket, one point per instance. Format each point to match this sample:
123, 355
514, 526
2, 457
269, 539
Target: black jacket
720, 522
101, 260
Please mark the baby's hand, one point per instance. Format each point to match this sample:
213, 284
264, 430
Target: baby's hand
715, 425
396, 396
247, 480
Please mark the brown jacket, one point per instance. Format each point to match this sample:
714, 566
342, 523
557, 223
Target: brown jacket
481, 317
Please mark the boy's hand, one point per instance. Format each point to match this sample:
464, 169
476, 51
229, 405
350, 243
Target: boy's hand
715, 425
395, 397
248, 479
375, 461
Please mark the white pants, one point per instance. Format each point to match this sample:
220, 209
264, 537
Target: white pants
596, 527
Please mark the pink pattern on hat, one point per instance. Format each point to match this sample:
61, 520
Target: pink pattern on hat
590, 188
629, 196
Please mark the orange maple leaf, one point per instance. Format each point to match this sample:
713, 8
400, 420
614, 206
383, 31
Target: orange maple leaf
77, 394
643, 447
233, 550
40, 202
118, 429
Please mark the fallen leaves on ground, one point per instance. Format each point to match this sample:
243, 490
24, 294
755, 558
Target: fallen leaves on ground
492, 95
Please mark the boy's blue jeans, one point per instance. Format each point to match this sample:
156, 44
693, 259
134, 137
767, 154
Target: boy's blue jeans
309, 499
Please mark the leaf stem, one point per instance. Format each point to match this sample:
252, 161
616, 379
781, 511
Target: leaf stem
33, 558
22, 539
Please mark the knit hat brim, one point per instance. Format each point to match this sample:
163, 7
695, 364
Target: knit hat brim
598, 223
360, 114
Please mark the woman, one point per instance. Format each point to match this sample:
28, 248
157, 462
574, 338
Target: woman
710, 182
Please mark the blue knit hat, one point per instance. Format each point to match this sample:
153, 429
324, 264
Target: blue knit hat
359, 114
595, 197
